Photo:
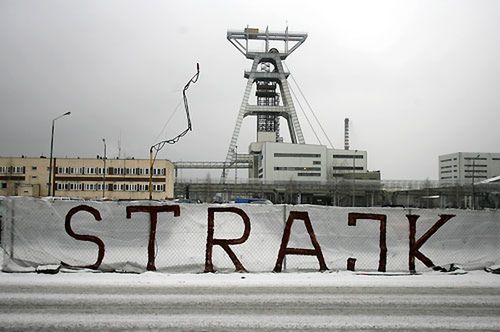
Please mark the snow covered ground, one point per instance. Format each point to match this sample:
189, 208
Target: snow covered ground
430, 279
250, 301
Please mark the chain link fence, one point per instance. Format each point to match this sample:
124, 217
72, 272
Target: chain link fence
122, 237
347, 192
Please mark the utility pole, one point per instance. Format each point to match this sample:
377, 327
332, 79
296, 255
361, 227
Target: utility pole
104, 170
353, 178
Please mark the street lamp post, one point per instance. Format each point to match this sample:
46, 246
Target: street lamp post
50, 192
354, 178
104, 170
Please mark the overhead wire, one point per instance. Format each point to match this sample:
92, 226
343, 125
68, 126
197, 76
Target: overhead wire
154, 149
309, 105
304, 113
168, 120
160, 145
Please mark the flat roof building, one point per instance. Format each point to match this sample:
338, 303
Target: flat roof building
86, 178
304, 162
468, 167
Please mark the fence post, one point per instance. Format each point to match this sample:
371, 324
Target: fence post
284, 224
12, 216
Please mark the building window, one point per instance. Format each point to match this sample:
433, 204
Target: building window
4, 185
469, 158
298, 155
347, 168
445, 160
308, 174
159, 187
297, 168
317, 162
33, 168
347, 156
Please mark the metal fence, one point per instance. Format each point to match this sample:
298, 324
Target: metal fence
347, 192
132, 237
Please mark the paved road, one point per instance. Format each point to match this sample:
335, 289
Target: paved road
25, 307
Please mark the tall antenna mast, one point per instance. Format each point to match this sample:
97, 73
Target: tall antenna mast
346, 134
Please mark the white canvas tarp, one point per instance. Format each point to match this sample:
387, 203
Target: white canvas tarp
34, 234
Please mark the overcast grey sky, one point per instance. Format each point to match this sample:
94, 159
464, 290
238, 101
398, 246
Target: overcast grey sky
416, 78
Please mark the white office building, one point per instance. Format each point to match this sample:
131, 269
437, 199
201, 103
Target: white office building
468, 167
303, 162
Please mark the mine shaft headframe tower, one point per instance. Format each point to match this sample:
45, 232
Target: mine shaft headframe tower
268, 75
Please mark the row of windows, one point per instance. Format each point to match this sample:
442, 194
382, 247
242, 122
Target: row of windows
346, 168
475, 165
475, 177
476, 171
107, 187
13, 169
298, 155
309, 174
468, 177
347, 156
449, 166
297, 168
471, 158
446, 160
109, 171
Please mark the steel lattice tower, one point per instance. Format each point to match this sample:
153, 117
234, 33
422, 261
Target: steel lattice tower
273, 98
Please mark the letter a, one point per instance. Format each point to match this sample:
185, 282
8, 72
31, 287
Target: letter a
299, 251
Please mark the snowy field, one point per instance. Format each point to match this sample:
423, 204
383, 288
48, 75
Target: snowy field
250, 301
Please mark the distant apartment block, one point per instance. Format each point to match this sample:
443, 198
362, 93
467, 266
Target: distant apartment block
86, 178
468, 167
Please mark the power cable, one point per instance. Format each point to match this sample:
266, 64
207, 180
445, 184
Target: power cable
305, 115
310, 108
168, 120
153, 151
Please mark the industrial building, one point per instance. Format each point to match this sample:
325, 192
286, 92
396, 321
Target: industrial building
86, 178
304, 162
468, 167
